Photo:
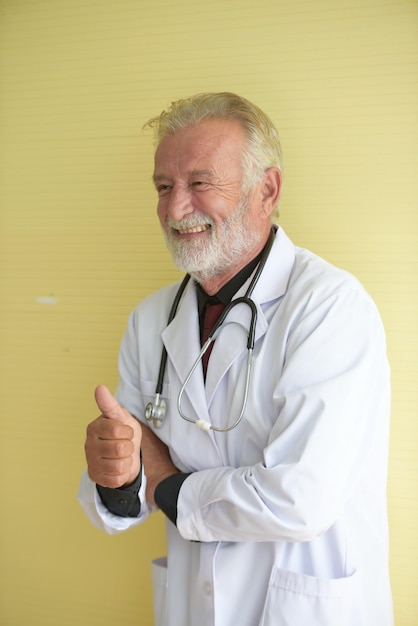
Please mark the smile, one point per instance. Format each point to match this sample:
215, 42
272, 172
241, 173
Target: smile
193, 229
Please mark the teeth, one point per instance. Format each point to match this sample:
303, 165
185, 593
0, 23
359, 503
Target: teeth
194, 229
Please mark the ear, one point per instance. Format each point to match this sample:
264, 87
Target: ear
270, 188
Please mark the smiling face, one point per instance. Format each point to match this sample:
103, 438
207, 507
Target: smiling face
212, 228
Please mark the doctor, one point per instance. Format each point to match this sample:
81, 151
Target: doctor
279, 520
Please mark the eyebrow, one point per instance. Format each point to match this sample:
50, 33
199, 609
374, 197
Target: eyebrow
158, 177
207, 173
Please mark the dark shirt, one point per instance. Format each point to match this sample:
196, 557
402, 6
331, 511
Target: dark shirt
124, 501
228, 291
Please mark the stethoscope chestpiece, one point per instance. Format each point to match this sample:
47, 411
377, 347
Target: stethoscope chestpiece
155, 411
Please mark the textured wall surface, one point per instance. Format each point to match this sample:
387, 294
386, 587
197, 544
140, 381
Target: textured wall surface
80, 243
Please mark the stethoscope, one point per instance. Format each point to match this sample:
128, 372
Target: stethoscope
155, 411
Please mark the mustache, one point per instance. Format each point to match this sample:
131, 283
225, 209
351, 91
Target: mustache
190, 221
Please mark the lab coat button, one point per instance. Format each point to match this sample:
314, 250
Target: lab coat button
207, 588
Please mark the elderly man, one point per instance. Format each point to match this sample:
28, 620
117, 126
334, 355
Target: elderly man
269, 457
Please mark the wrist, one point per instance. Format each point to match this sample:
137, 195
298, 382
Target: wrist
167, 493
155, 481
136, 472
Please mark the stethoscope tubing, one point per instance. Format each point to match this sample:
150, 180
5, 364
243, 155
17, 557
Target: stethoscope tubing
203, 424
155, 411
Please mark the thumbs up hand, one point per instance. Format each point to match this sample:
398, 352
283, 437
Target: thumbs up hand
112, 444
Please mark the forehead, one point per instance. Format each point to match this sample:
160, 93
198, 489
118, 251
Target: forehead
207, 144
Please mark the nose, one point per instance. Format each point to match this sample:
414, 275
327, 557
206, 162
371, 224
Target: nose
179, 203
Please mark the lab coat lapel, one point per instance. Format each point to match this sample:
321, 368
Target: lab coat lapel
231, 341
182, 342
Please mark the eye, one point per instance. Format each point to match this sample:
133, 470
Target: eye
163, 190
199, 184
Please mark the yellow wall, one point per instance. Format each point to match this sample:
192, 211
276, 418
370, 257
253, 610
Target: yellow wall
77, 227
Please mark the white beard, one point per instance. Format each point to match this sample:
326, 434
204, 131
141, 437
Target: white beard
223, 245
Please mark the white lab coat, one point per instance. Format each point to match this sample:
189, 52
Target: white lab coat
283, 520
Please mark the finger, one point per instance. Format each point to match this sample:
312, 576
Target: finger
104, 428
116, 467
109, 406
110, 472
119, 449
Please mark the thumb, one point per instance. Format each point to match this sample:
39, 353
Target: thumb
109, 406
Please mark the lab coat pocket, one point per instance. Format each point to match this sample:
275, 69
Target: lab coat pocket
159, 586
294, 599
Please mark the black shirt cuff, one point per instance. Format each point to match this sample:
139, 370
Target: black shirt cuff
123, 501
167, 493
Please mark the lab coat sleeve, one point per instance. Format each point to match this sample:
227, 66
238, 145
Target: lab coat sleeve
332, 397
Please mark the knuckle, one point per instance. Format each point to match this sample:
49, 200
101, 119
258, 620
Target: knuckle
124, 448
94, 428
123, 431
120, 449
112, 468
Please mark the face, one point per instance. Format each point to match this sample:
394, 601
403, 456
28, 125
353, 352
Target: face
212, 229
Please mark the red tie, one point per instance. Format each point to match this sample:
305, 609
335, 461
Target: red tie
212, 313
